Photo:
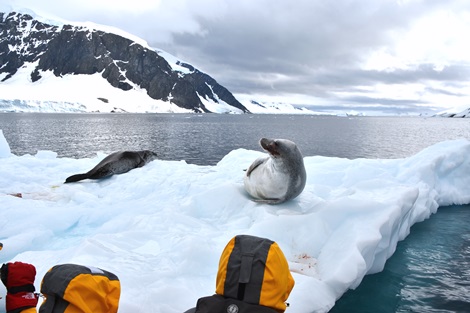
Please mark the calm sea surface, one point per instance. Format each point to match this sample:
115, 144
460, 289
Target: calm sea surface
205, 139
429, 272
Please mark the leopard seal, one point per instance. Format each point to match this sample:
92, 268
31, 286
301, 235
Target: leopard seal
116, 163
279, 177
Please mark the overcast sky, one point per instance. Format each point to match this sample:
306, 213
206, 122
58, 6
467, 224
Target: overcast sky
364, 55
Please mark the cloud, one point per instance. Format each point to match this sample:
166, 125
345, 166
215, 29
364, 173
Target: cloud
312, 47
320, 49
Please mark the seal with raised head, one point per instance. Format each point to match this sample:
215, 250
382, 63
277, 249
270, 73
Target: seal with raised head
280, 176
116, 163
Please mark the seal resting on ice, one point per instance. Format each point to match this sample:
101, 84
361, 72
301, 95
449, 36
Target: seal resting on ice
116, 163
279, 177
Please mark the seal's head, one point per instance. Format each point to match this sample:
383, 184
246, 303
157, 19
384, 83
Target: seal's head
148, 155
279, 147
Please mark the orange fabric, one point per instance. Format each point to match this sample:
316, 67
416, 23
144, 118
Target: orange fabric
277, 282
30, 310
222, 272
86, 292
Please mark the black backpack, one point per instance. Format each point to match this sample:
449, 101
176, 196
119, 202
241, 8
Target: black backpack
217, 303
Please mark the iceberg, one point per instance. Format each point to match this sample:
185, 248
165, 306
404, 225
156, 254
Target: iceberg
161, 228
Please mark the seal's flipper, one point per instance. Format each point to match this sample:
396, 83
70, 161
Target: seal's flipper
255, 164
76, 178
269, 201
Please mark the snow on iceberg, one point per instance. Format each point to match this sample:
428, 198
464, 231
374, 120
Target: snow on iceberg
161, 228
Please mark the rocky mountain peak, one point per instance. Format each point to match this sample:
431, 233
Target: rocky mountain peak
124, 63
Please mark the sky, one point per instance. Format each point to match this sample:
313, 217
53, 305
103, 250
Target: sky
161, 228
390, 56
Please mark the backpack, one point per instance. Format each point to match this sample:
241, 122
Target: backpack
253, 276
71, 288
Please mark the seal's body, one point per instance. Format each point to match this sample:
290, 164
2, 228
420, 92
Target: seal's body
116, 163
280, 176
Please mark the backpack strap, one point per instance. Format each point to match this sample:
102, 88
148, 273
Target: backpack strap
245, 268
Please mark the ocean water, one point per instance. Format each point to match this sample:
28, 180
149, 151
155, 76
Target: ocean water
206, 138
429, 272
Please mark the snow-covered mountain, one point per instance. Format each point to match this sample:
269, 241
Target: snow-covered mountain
462, 114
63, 67
263, 107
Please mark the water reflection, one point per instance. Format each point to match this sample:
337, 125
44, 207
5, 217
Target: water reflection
205, 139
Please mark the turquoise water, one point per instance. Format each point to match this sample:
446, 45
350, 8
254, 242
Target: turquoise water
428, 273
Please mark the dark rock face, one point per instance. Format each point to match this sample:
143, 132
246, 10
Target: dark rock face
122, 62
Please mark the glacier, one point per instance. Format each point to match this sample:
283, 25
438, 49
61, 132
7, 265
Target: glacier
161, 228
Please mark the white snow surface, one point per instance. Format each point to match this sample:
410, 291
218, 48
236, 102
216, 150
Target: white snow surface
263, 107
75, 93
161, 228
455, 113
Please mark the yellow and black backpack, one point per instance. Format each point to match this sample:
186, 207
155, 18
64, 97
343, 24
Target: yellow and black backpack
253, 276
71, 288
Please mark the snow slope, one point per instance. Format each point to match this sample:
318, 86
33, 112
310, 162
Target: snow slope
161, 228
455, 113
261, 107
75, 93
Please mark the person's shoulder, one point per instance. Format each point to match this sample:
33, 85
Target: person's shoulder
191, 310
